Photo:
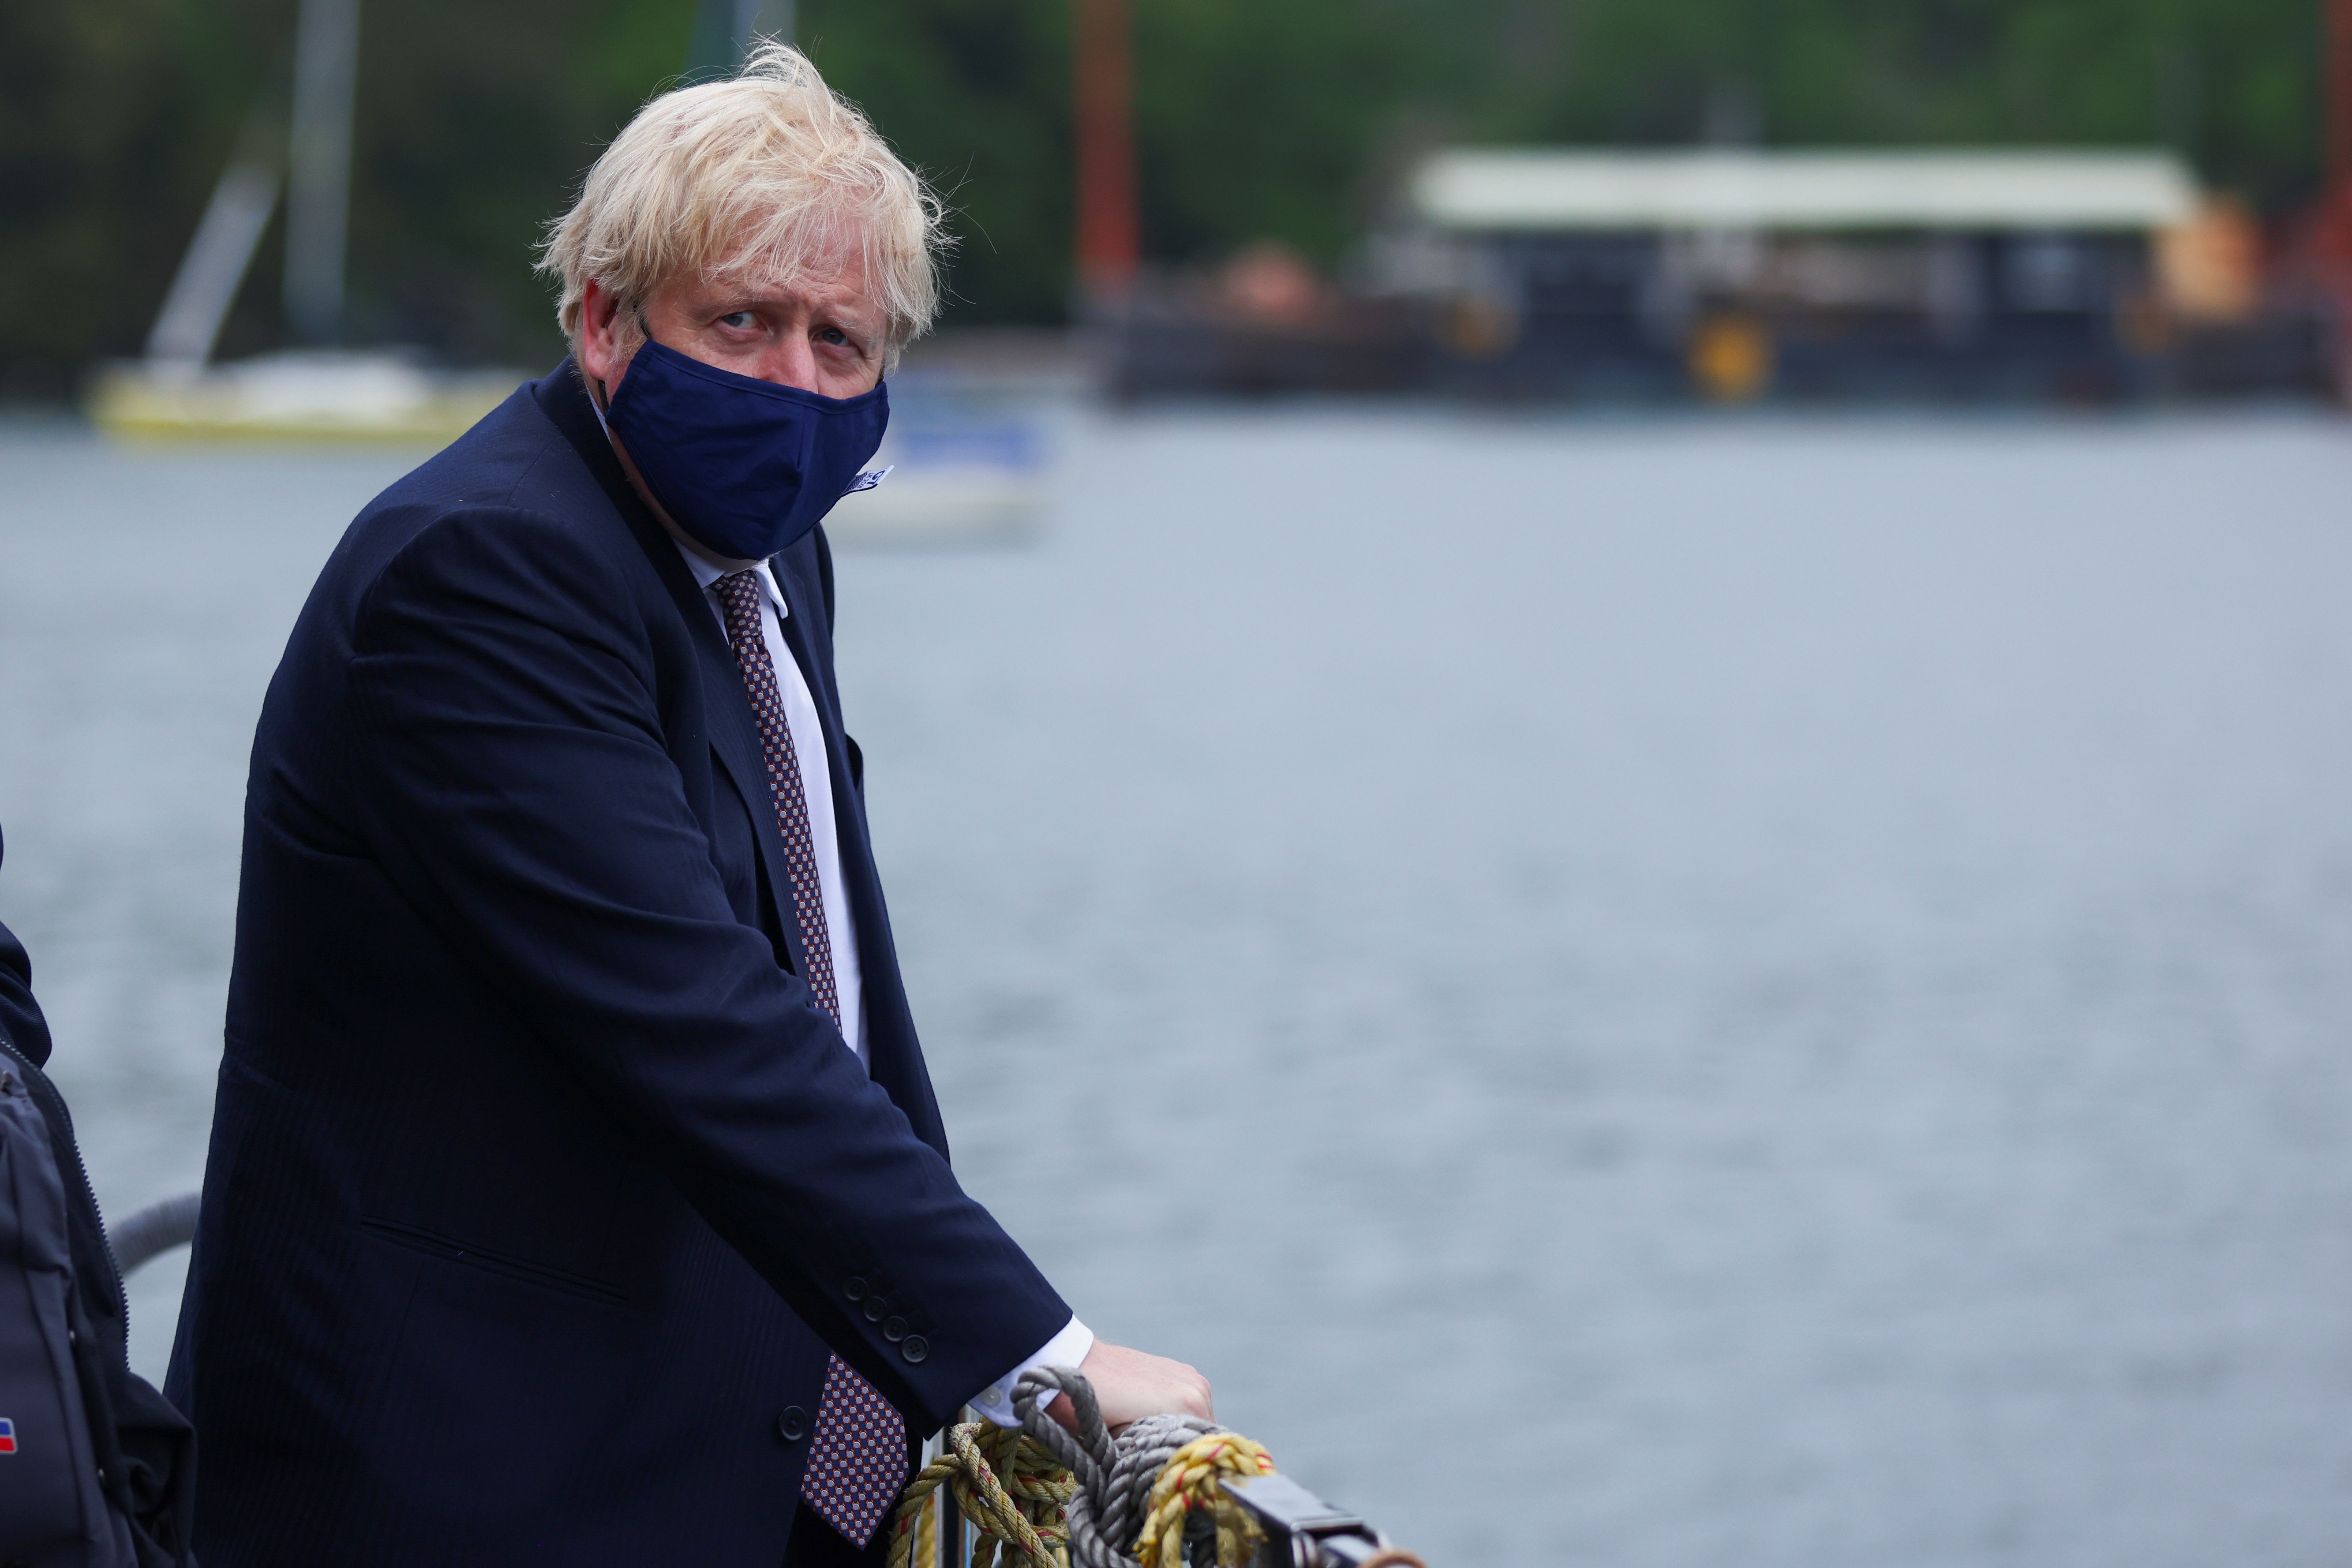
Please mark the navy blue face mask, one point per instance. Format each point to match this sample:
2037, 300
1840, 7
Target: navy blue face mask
746, 467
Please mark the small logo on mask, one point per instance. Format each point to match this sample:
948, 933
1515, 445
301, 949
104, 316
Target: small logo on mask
7, 1436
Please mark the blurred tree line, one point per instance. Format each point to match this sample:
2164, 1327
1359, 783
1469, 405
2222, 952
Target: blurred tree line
1255, 118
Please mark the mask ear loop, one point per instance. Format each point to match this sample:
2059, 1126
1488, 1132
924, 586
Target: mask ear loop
597, 397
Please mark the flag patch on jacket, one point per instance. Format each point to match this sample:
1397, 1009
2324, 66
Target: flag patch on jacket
7, 1436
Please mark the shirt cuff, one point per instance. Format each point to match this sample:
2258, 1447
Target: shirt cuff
1068, 1348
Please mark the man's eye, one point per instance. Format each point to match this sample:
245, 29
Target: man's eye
741, 321
832, 335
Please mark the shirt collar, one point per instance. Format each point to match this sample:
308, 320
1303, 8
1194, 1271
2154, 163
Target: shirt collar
705, 575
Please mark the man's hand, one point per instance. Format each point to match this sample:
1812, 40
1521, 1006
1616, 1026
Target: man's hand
1130, 1386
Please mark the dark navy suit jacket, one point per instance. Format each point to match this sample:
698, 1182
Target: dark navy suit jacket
539, 1185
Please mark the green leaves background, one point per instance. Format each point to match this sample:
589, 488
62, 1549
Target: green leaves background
1255, 118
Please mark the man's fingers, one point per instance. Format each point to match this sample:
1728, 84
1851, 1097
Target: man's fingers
1131, 1385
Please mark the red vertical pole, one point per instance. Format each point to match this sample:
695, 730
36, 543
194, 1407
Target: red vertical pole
1102, 65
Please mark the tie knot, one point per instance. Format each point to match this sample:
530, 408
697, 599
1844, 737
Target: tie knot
738, 597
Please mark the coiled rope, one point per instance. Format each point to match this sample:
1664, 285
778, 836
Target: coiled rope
1188, 1488
1005, 1484
1150, 1497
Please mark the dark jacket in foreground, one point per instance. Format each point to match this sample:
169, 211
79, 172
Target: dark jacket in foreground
139, 1465
540, 1184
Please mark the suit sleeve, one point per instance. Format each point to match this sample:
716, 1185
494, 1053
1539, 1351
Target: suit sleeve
515, 780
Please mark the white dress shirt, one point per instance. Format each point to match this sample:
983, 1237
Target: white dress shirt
1069, 1347
817, 787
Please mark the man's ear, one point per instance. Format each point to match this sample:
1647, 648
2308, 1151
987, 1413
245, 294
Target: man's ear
598, 346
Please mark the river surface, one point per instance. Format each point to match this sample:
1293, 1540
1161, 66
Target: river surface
1674, 994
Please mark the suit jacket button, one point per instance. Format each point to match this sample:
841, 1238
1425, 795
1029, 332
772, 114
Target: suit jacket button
874, 1309
792, 1424
914, 1347
854, 1288
895, 1329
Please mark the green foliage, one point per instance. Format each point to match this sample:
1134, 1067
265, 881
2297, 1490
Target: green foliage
1255, 118
975, 94
109, 116
476, 120
2231, 83
1244, 108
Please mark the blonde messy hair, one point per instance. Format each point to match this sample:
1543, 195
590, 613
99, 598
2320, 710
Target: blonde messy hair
758, 176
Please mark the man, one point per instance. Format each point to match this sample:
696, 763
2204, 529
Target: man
577, 1193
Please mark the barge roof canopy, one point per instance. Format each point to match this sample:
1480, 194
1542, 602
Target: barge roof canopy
1537, 189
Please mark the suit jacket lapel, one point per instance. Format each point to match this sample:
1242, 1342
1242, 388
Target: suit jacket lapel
734, 733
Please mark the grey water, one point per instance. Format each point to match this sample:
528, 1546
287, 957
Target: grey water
1670, 993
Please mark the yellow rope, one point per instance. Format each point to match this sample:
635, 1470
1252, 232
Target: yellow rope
1189, 1480
1011, 1490
927, 1535
1017, 1499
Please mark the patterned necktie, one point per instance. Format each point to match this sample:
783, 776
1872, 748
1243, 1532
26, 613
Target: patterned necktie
858, 1460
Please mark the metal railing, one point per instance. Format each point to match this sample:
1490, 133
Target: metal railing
153, 1231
